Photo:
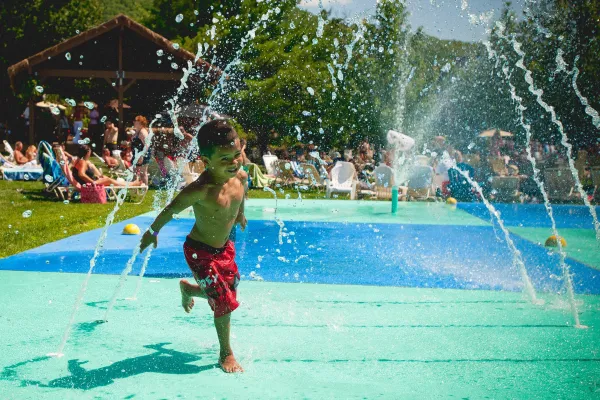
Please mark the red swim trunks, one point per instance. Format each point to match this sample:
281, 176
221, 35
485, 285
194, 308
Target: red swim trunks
216, 272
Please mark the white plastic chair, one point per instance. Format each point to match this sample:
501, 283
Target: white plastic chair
420, 182
10, 151
342, 180
270, 163
384, 180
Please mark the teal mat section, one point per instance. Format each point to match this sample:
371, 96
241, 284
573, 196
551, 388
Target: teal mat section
295, 341
427, 213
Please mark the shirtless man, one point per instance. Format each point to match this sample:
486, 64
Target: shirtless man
217, 198
20, 158
111, 136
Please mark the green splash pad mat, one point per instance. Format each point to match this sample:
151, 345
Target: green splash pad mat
294, 341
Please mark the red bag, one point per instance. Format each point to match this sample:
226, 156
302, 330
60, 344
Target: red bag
91, 193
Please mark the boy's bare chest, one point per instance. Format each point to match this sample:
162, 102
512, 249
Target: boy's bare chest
224, 200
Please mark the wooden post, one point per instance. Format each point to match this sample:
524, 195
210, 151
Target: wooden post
120, 85
31, 136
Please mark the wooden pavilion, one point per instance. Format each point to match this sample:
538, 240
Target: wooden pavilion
120, 51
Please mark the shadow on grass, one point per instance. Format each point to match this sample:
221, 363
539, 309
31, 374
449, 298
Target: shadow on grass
162, 361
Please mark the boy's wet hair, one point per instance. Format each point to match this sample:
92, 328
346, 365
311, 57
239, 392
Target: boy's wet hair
214, 134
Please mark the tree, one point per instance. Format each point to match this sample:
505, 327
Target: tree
31, 26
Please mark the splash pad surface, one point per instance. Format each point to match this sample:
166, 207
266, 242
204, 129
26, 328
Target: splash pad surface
377, 315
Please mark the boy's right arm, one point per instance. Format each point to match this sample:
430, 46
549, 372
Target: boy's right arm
186, 198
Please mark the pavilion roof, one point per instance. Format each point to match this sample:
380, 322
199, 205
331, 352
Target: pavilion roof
95, 54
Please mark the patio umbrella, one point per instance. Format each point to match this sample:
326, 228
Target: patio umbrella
114, 104
491, 132
85, 103
45, 104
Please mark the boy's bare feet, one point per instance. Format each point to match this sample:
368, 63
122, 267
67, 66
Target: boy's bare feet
187, 301
229, 364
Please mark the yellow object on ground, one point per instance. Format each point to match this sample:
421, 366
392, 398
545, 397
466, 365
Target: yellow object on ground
131, 229
451, 200
552, 242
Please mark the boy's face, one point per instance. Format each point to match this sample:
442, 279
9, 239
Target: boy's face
225, 160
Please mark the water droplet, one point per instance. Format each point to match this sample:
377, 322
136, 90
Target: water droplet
381, 49
49, 178
159, 52
55, 110
77, 31
333, 96
194, 256
179, 18
315, 41
103, 119
292, 25
306, 113
196, 12
288, 165
158, 116
89, 105
26, 177
310, 90
81, 57
68, 56
71, 102
176, 46
62, 217
65, 231
174, 65
27, 214
93, 145
66, 202
471, 145
304, 38
159, 61
16, 232
114, 84
39, 89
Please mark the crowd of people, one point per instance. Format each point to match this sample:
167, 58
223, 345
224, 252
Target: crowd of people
495, 156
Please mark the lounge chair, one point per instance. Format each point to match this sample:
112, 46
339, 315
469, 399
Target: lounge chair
420, 183
343, 180
269, 161
257, 178
498, 166
54, 179
10, 151
559, 183
384, 180
312, 176
506, 187
284, 172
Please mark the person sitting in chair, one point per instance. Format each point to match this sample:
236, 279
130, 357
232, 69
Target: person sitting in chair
86, 172
108, 159
20, 158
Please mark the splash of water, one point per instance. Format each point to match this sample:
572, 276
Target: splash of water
122, 278
589, 110
538, 93
520, 108
157, 207
517, 259
109, 220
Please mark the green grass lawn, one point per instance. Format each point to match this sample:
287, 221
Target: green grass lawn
50, 219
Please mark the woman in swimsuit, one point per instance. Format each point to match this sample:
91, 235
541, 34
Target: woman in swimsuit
140, 125
86, 172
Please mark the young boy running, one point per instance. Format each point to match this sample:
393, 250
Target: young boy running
217, 198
